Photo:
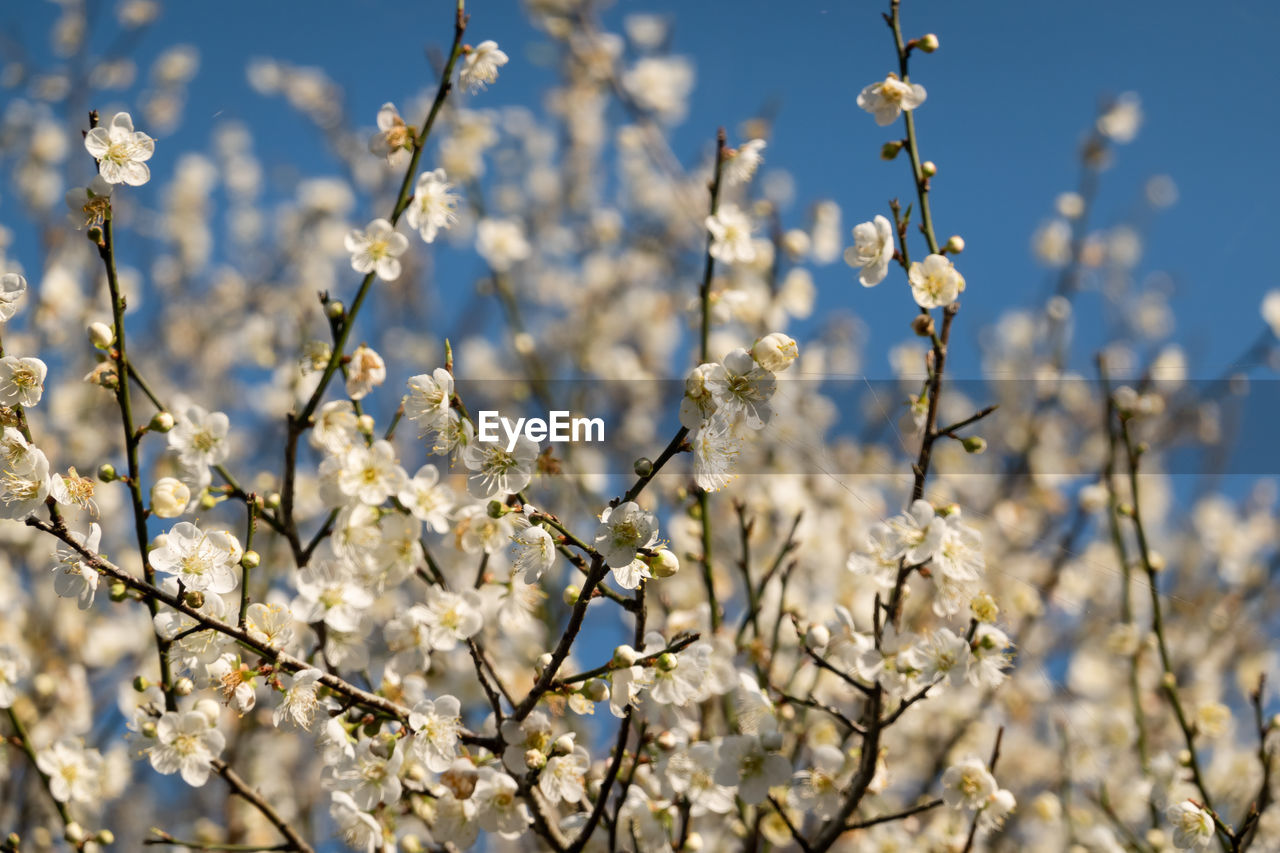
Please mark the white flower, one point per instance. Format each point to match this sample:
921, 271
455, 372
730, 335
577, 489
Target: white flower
775, 352
359, 829
697, 404
496, 472
75, 578
75, 773
433, 205
739, 168
716, 446
327, 592
299, 703
565, 776
186, 743
691, 773
744, 762
820, 789
366, 371
269, 624
501, 243
630, 575
428, 401
532, 734
452, 616
1122, 119
960, 557
872, 250
622, 531
236, 681
371, 775
942, 656
88, 206
968, 785
24, 480
200, 437
437, 726
377, 249
394, 138
121, 151
989, 659
428, 499
730, 231
742, 388
71, 489
887, 99
660, 85
13, 668
200, 560
12, 288
336, 426
480, 67
21, 381
370, 474
1192, 825
935, 282
169, 497
499, 809
535, 552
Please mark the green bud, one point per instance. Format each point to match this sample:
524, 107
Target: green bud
890, 150
496, 509
250, 560
141, 683
643, 466
974, 444
106, 472
667, 662
335, 310
194, 598
571, 593
161, 422
118, 591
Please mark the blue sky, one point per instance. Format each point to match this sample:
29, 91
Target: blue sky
1010, 92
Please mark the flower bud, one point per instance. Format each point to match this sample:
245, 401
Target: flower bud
496, 509
183, 686
169, 497
105, 836
335, 310
692, 844
596, 689
141, 683
563, 744
534, 759
412, 844
624, 656
928, 168
207, 501
272, 500
1170, 681
955, 245
365, 424
106, 472
543, 662
984, 608
1157, 561
211, 710
250, 560
890, 150
74, 833
974, 444
94, 235
148, 729
643, 466
927, 42
161, 422
817, 636
667, 662
194, 598
100, 335
775, 352
664, 563
922, 325
571, 593
118, 591
667, 740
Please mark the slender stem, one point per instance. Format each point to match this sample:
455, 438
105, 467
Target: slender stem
245, 568
24, 743
251, 796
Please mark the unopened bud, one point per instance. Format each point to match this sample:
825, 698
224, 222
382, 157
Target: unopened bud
250, 560
365, 424
693, 844
596, 690
161, 422
169, 497
664, 563
207, 501
106, 472
141, 683
148, 729
1157, 561
105, 836
1170, 681
817, 636
544, 661
194, 598
571, 593
534, 759
412, 844
335, 309
643, 466
496, 509
928, 168
955, 245
890, 150
74, 833
624, 656
667, 662
100, 335
922, 325
272, 501
927, 42
94, 235
563, 745
183, 686
974, 444
118, 591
